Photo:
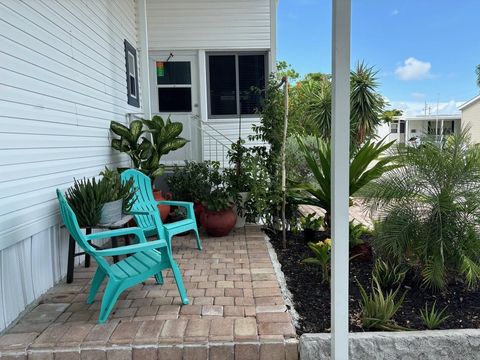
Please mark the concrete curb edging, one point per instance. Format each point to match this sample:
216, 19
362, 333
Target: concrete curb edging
461, 344
286, 294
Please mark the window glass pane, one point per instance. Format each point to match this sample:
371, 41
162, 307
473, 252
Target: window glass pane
173, 72
133, 89
251, 78
131, 64
175, 99
222, 85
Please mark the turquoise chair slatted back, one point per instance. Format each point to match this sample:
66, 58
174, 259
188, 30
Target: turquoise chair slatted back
144, 201
70, 220
71, 223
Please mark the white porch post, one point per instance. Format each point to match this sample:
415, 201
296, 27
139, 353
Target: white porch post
340, 175
143, 57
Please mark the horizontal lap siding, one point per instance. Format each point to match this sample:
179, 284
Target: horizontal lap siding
471, 119
62, 80
208, 24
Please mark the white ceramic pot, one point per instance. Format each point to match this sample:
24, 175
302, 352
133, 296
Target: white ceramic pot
241, 219
111, 212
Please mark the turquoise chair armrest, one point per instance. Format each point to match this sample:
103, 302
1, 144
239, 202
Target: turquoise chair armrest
187, 205
130, 249
175, 203
138, 212
118, 232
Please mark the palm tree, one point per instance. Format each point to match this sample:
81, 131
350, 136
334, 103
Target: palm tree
367, 105
429, 211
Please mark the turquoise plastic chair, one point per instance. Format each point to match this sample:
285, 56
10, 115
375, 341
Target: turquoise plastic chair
147, 259
152, 224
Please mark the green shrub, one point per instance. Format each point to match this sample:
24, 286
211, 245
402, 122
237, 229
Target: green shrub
429, 210
378, 308
388, 275
321, 251
297, 167
367, 163
191, 181
311, 222
433, 318
356, 232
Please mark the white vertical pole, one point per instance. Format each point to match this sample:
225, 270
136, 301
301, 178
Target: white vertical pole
340, 175
144, 58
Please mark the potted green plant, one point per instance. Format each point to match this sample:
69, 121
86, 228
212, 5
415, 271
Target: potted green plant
191, 183
84, 196
117, 197
238, 179
218, 217
100, 201
147, 151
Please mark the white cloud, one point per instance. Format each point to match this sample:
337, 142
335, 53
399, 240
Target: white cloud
413, 69
395, 12
418, 95
413, 108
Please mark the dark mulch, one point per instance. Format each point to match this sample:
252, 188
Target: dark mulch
312, 298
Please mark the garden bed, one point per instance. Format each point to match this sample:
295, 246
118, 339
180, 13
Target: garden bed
311, 298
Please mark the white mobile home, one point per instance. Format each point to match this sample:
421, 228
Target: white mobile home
408, 129
68, 68
471, 117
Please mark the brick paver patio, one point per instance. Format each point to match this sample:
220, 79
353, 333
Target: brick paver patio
236, 311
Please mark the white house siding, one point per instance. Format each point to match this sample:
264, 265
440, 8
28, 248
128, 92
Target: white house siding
471, 119
208, 26
62, 80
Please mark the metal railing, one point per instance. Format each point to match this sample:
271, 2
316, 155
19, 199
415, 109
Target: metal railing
217, 142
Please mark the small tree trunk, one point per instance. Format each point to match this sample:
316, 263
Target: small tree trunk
284, 171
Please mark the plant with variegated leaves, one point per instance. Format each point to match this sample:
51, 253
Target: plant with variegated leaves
145, 153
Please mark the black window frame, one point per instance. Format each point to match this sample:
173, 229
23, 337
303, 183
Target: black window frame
132, 99
237, 82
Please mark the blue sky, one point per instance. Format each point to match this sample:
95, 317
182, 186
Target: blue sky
424, 50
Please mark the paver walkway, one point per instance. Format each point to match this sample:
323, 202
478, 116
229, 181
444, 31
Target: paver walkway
236, 312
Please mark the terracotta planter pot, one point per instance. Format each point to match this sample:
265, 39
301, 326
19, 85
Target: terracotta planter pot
218, 223
164, 209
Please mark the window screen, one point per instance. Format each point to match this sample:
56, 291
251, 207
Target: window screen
223, 85
235, 83
251, 71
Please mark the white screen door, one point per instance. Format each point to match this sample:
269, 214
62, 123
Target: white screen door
175, 94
